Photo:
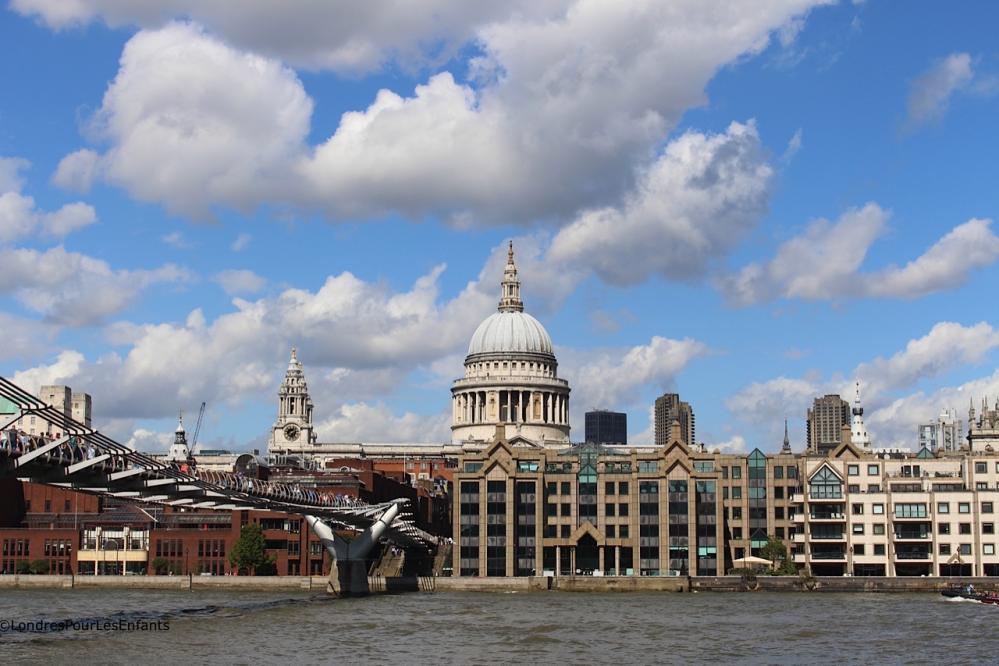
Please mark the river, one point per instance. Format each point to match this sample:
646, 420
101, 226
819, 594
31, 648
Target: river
468, 628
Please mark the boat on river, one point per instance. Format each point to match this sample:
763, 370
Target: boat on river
968, 593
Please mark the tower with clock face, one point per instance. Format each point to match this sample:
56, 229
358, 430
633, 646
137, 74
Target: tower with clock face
293, 431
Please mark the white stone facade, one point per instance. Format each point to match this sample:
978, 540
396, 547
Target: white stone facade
293, 432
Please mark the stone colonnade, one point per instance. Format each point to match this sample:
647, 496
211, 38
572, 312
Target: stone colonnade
511, 406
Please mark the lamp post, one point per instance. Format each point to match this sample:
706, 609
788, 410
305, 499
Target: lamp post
116, 547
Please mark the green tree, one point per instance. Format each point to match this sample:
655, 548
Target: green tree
39, 567
774, 550
248, 555
161, 566
23, 567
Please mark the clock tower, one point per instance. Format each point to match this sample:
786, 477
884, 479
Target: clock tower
293, 431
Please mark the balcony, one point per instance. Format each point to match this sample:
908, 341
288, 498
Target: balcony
913, 535
829, 537
912, 554
828, 555
827, 516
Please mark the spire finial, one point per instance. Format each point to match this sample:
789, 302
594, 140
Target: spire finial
787, 440
294, 353
510, 286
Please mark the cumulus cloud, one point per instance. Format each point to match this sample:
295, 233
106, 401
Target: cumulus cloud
240, 281
948, 345
614, 378
74, 289
241, 242
20, 216
824, 262
363, 422
930, 93
693, 205
77, 171
563, 111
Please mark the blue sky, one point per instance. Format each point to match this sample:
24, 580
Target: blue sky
750, 206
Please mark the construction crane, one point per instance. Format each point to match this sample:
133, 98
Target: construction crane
197, 428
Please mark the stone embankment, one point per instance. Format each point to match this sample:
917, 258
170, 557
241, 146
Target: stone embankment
522, 584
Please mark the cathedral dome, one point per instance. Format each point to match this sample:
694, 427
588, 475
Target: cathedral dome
510, 331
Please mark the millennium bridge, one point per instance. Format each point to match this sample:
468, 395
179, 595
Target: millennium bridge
85, 460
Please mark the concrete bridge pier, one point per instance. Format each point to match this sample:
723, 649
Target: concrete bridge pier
349, 574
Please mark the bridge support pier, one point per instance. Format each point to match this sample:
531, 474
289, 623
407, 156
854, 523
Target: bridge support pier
349, 573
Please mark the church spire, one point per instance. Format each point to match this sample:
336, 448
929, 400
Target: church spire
858, 430
787, 440
510, 286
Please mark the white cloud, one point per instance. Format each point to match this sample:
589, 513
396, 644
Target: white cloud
363, 422
614, 378
564, 111
240, 281
693, 206
149, 441
23, 338
241, 243
77, 171
948, 345
75, 289
931, 91
19, 215
824, 262
735, 445
175, 239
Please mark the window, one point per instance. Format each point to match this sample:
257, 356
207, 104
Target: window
943, 549
725, 492
704, 466
566, 509
879, 549
566, 531
778, 513
988, 549
778, 472
609, 510
878, 509
648, 466
736, 472
853, 470
736, 493
988, 528
910, 510
874, 487
622, 531
552, 488
965, 549
622, 488
736, 532
609, 488
981, 468
778, 492
872, 470
878, 528
792, 472
724, 471
779, 532
943, 507
854, 488
964, 528
986, 507
826, 485
622, 509
566, 488
858, 549
522, 466
981, 485
857, 509
473, 466
943, 528
610, 531
858, 529
997, 467
552, 509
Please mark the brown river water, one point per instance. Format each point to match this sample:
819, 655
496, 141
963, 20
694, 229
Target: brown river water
183, 628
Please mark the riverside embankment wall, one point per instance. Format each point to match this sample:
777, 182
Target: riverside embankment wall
522, 584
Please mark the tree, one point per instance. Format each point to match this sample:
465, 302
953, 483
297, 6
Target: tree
39, 567
161, 566
247, 554
774, 550
23, 567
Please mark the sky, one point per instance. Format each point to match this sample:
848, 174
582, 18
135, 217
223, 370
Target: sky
751, 204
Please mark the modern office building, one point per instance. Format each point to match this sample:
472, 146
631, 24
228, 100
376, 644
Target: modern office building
670, 408
945, 433
606, 427
825, 421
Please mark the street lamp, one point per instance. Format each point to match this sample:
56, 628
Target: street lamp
116, 546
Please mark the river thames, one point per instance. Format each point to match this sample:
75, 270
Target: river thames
469, 628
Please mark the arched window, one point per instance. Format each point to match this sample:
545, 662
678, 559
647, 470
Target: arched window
826, 485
